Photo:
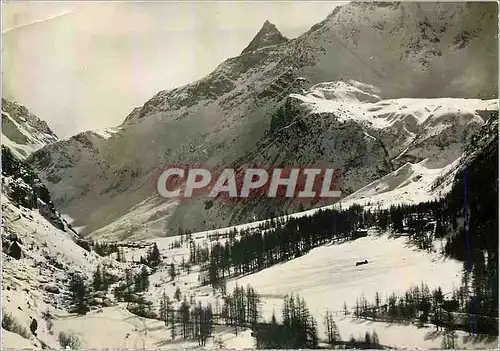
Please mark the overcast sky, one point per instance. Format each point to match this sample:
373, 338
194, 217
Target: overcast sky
83, 66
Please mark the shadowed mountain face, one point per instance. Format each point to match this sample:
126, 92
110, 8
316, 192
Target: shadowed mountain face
241, 113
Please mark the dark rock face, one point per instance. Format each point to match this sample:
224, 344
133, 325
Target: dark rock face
52, 289
267, 36
33, 326
15, 251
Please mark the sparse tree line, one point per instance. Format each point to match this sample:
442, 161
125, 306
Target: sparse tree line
104, 248
192, 320
240, 309
80, 290
420, 304
297, 330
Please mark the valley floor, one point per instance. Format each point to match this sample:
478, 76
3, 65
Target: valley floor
326, 277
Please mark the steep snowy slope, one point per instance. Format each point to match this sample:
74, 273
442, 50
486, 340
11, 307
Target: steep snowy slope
22, 131
37, 281
405, 49
40, 254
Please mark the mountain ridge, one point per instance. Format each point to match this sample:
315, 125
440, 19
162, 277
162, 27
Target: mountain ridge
223, 116
22, 131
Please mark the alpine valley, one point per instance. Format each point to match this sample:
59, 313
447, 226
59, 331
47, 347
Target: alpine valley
400, 97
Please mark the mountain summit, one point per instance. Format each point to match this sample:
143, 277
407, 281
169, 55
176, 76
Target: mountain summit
268, 35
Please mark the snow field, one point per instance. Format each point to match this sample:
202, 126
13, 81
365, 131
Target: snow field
325, 277
349, 102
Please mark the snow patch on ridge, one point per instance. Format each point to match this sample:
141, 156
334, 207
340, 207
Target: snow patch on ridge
356, 101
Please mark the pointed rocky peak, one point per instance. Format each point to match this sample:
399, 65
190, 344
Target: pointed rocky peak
268, 35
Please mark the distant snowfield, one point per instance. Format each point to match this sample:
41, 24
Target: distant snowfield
356, 101
151, 210
106, 133
410, 184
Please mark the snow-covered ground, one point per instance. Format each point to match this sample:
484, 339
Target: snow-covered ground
36, 283
409, 184
326, 277
118, 328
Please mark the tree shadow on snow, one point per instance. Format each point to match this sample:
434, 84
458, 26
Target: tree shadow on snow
339, 242
475, 339
166, 342
388, 324
362, 321
432, 335
159, 327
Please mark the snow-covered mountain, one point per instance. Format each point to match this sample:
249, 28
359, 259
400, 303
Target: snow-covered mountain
408, 51
40, 261
410, 129
400, 97
22, 131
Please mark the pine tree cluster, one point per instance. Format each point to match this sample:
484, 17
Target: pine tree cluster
298, 329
